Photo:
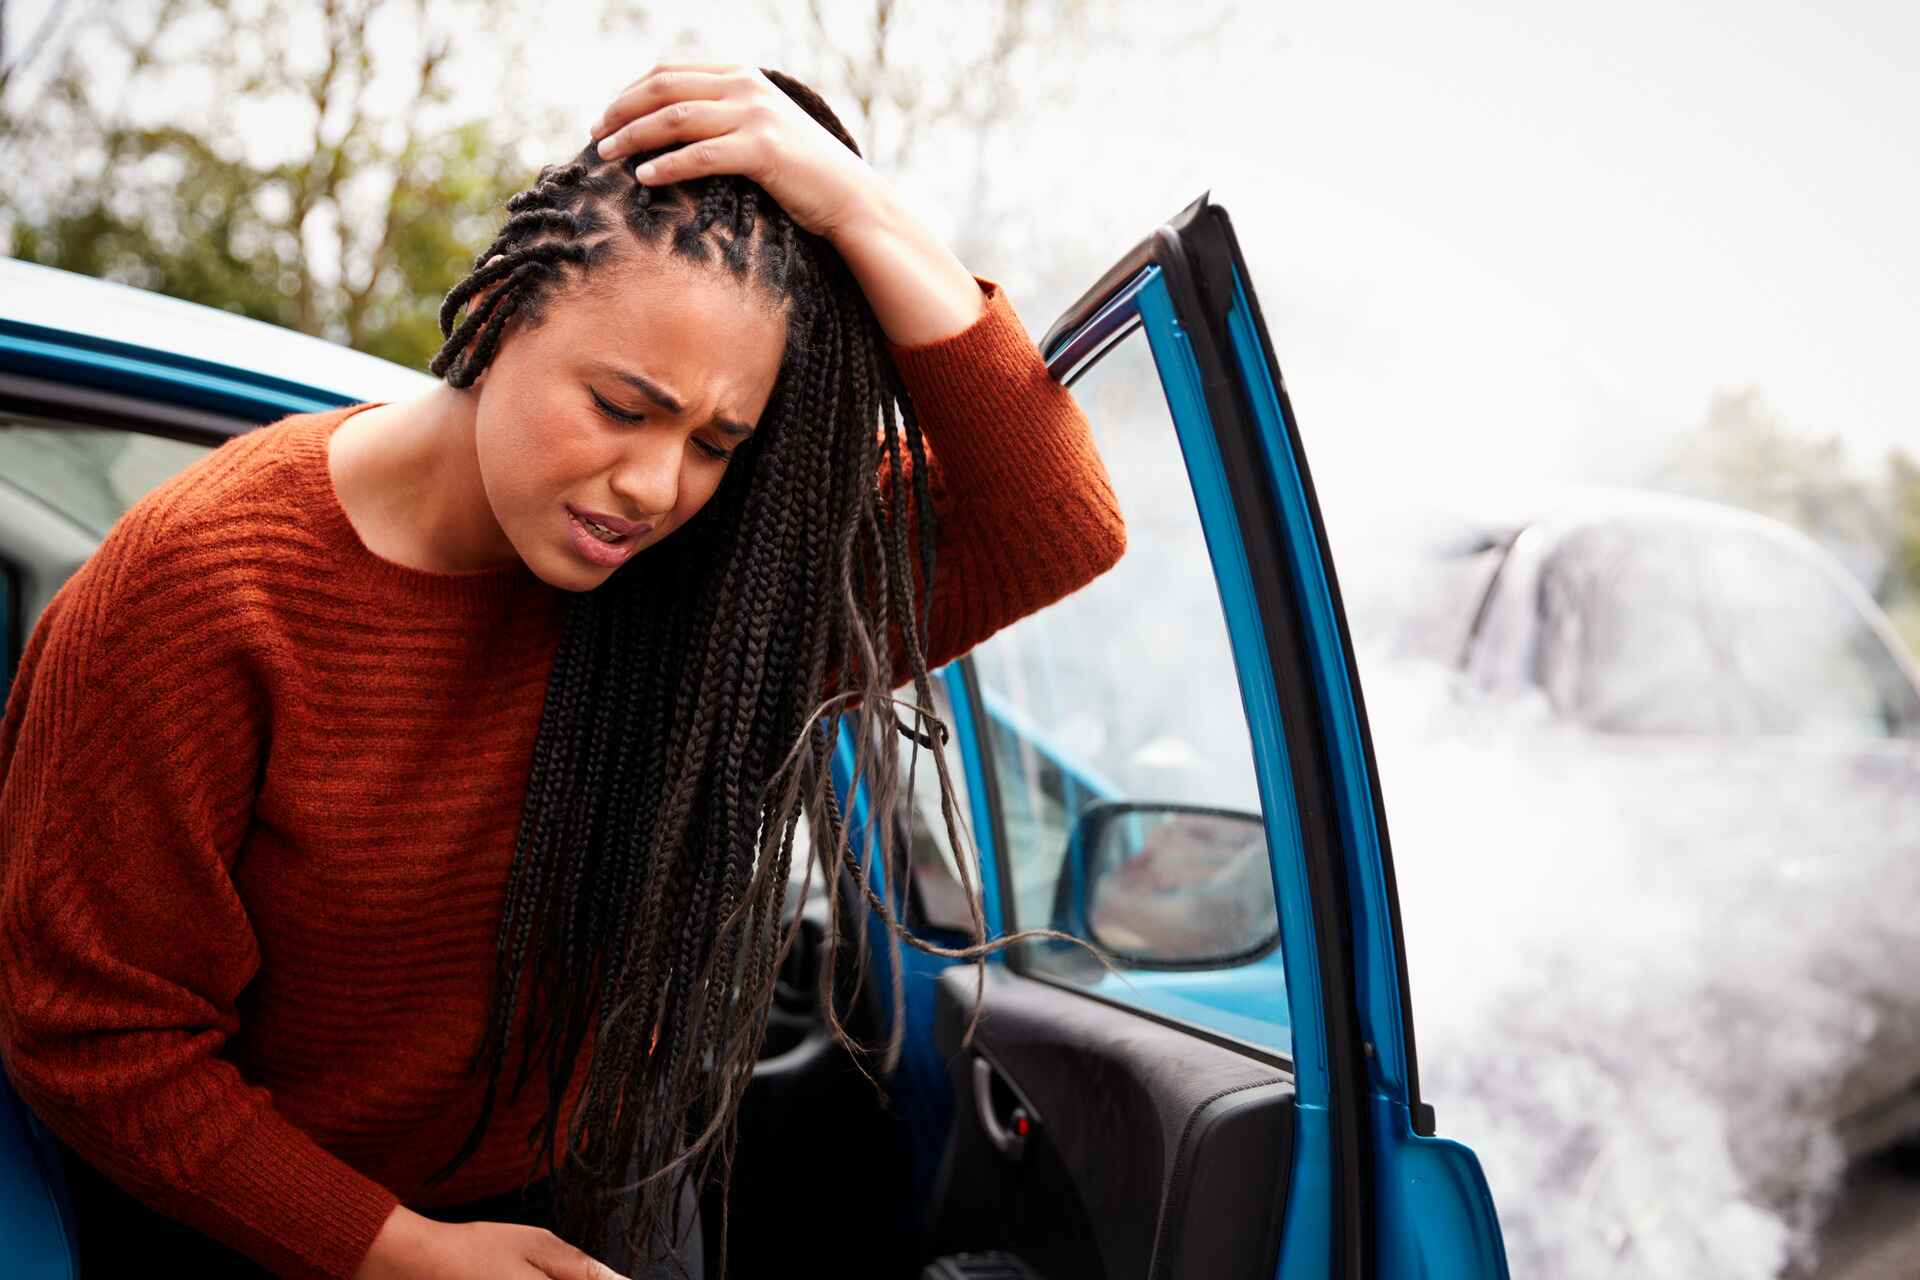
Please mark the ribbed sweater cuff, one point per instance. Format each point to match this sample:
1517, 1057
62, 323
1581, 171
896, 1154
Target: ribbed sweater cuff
312, 1215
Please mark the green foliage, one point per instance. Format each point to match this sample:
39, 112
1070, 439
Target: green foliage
1903, 474
213, 248
446, 211
1744, 455
132, 133
350, 226
1903, 594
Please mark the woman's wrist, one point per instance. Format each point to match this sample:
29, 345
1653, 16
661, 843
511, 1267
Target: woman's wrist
395, 1247
919, 291
412, 1246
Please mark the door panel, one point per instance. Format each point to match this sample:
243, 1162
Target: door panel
1149, 1152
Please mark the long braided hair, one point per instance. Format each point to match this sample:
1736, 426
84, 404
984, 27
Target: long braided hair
695, 699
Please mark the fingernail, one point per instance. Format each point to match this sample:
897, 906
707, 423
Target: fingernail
645, 171
600, 148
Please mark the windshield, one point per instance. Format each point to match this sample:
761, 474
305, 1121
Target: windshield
1653, 627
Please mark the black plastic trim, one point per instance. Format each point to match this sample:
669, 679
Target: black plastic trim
1195, 254
90, 406
1089, 304
1258, 1052
969, 691
1421, 1113
1249, 1198
12, 629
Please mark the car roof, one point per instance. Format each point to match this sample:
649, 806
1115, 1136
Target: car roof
106, 312
1574, 507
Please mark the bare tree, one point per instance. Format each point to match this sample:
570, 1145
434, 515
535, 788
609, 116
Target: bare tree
930, 83
303, 163
949, 99
330, 165
12, 60
1742, 453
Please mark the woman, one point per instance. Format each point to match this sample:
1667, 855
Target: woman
386, 738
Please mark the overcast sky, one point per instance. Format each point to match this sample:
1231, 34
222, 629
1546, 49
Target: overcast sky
1532, 237
1494, 240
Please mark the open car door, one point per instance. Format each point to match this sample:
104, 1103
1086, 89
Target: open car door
1173, 764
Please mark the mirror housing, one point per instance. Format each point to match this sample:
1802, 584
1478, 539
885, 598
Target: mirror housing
1169, 886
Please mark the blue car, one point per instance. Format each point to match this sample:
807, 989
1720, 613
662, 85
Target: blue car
1172, 764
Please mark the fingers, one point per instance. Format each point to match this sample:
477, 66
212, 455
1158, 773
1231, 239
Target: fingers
730, 153
682, 66
661, 86
561, 1261
685, 121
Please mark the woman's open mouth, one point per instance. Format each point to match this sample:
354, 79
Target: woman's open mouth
599, 544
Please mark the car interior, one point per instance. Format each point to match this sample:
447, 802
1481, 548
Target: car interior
1080, 1138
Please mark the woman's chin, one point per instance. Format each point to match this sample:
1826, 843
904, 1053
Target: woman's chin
577, 578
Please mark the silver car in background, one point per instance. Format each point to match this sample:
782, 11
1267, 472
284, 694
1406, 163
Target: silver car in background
1653, 769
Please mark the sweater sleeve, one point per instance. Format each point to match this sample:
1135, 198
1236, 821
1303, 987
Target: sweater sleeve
129, 757
1024, 510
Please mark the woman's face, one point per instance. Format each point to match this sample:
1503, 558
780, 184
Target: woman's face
618, 404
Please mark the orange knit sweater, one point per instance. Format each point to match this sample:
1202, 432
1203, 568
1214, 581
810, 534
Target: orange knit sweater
259, 790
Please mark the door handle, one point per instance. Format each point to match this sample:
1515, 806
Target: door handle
1009, 1136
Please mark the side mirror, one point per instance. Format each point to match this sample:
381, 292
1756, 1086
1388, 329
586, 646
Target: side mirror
1170, 885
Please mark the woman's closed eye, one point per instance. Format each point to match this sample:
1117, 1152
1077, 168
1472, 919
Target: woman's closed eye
618, 414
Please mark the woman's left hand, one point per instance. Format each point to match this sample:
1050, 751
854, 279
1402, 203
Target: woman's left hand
732, 119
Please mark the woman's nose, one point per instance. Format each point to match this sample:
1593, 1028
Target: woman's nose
647, 478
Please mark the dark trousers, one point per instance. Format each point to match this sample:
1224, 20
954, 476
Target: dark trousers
121, 1236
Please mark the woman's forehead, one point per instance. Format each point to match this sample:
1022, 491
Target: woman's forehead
665, 293
681, 324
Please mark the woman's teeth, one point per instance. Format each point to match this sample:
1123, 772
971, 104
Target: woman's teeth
600, 531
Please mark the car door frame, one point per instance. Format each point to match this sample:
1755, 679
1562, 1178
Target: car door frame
1373, 1191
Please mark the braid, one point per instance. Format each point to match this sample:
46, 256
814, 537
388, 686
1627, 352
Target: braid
692, 708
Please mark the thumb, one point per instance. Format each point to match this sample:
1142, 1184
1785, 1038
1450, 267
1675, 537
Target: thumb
561, 1261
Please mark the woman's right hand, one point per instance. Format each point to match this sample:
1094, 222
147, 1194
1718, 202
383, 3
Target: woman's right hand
411, 1246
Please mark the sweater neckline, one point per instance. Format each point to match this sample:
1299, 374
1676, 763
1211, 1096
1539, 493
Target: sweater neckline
445, 590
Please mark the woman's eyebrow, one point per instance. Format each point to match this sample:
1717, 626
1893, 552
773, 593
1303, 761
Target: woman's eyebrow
671, 403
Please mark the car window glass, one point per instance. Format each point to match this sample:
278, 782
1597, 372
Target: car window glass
1656, 628
940, 899
89, 474
1123, 767
937, 898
